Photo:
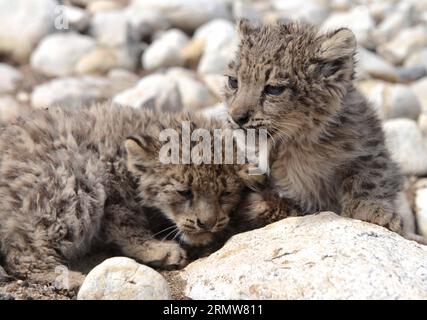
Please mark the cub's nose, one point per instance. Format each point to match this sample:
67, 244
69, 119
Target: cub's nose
206, 224
241, 119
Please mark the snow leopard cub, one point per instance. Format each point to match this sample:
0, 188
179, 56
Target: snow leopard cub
70, 178
327, 144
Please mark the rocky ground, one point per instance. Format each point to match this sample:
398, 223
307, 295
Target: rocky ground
171, 55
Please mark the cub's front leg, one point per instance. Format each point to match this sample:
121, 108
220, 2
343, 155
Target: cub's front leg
370, 190
128, 230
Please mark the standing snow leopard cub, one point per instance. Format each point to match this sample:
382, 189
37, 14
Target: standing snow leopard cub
327, 145
70, 178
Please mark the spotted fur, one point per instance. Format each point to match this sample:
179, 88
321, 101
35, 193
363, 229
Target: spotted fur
69, 179
328, 150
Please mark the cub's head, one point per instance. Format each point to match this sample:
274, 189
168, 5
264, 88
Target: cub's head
198, 198
288, 78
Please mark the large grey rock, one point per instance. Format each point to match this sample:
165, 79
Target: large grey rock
216, 34
58, 54
321, 256
22, 24
9, 78
405, 142
165, 51
185, 14
72, 91
417, 58
122, 278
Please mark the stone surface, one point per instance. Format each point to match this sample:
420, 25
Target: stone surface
122, 278
99, 60
58, 54
358, 19
72, 92
155, 91
391, 100
77, 18
321, 256
405, 142
165, 51
110, 27
421, 210
186, 14
10, 108
420, 90
404, 43
22, 24
309, 11
417, 58
370, 64
10, 78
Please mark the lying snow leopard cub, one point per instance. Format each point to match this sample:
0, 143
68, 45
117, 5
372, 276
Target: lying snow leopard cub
72, 178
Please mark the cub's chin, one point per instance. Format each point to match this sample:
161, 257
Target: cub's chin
197, 239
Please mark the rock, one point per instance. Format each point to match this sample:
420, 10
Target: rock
22, 24
144, 24
103, 5
420, 90
10, 109
421, 210
10, 78
99, 60
185, 14
412, 73
391, 100
110, 27
216, 63
393, 22
321, 256
244, 9
58, 54
405, 143
194, 94
215, 83
155, 91
77, 18
122, 278
165, 51
309, 11
216, 34
405, 42
417, 58
73, 92
192, 53
375, 66
358, 19
218, 111
123, 78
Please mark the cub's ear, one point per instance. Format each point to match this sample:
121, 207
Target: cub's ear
246, 27
336, 54
252, 176
142, 153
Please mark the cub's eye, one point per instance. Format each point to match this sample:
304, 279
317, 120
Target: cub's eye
232, 82
274, 90
225, 194
187, 194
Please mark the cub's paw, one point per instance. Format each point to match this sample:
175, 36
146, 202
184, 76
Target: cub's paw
167, 255
375, 213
